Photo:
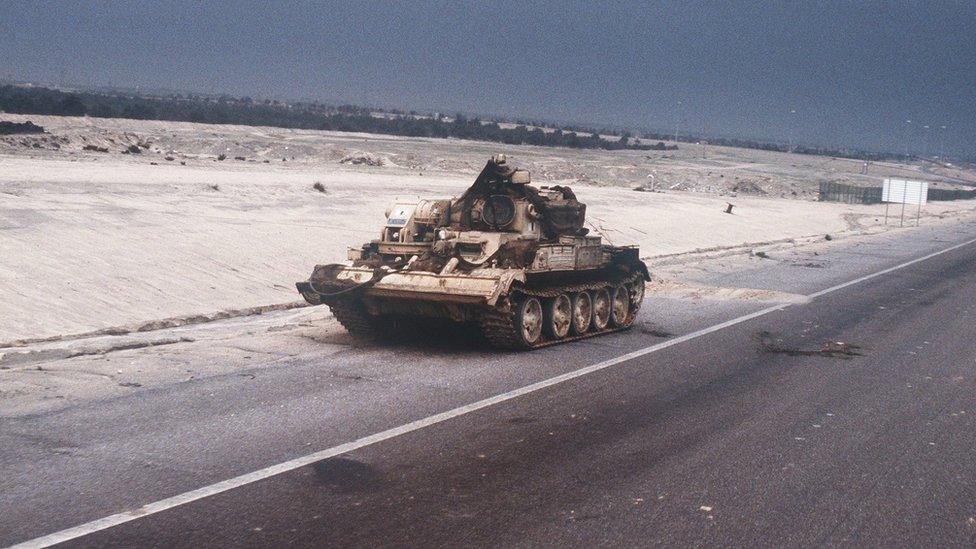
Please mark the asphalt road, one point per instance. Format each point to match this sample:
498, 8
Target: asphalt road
751, 434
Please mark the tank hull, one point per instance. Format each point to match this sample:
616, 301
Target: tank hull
362, 298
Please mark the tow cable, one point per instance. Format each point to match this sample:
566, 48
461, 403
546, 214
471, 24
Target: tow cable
334, 268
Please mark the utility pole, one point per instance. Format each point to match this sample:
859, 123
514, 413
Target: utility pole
790, 148
925, 142
677, 120
702, 136
908, 131
942, 130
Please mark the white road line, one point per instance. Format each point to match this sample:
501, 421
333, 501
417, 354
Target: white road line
864, 278
290, 465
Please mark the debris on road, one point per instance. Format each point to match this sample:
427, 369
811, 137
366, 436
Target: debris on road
830, 349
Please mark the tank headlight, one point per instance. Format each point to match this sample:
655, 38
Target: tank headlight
442, 234
396, 235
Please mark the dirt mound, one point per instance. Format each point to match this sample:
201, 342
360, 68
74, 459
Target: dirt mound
33, 141
749, 186
12, 128
360, 158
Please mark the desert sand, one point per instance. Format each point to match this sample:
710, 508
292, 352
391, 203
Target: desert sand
92, 241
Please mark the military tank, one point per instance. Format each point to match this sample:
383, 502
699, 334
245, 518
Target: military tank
514, 259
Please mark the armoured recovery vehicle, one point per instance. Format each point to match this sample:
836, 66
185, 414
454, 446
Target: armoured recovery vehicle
514, 259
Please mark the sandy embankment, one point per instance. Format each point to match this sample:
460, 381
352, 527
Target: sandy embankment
92, 241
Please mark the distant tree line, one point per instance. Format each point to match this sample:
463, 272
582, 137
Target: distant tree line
352, 118
857, 154
742, 143
313, 116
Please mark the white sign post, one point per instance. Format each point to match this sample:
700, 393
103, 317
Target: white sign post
901, 191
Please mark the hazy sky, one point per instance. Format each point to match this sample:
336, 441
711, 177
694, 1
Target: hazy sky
852, 71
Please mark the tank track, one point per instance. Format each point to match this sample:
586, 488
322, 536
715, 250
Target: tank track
356, 320
498, 326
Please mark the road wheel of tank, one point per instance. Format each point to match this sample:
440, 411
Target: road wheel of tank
528, 321
620, 307
601, 309
503, 326
559, 316
582, 313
